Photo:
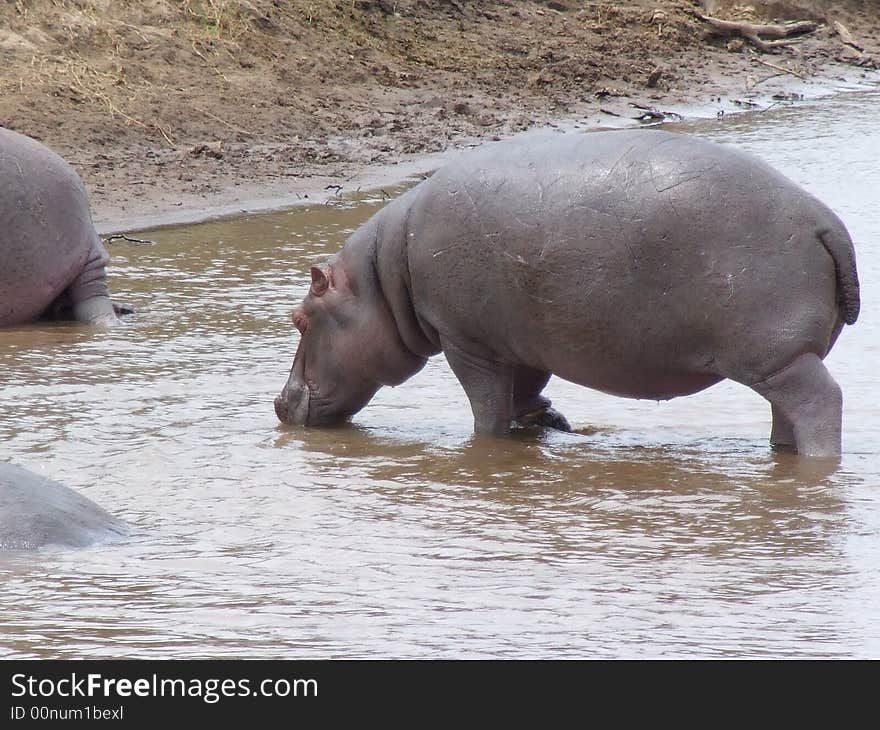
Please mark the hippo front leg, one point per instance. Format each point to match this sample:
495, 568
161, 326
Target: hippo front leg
489, 387
88, 296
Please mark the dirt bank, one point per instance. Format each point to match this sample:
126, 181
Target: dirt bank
171, 108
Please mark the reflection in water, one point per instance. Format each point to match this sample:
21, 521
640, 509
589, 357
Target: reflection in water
654, 530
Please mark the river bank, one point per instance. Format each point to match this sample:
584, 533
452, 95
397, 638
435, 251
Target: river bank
176, 112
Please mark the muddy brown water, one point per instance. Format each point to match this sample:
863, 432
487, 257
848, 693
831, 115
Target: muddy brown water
659, 530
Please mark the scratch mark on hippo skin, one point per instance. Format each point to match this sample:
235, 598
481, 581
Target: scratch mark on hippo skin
446, 248
532, 265
470, 197
662, 142
518, 259
730, 278
622, 236
519, 220
694, 175
617, 162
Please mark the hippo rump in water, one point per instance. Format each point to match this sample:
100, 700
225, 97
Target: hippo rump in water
641, 263
35, 512
51, 259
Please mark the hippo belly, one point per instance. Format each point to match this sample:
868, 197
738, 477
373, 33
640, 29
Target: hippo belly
36, 512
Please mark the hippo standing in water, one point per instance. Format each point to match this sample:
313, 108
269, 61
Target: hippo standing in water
35, 512
51, 259
643, 264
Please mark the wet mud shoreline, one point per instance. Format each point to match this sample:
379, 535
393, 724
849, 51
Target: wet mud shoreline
161, 206
176, 113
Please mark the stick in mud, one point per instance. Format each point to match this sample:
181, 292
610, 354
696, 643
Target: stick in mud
780, 68
752, 32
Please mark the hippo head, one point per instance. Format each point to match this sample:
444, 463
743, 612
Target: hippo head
348, 349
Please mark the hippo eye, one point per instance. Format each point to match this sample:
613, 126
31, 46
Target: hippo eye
300, 321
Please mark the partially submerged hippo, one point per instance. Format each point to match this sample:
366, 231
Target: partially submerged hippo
36, 512
643, 264
51, 259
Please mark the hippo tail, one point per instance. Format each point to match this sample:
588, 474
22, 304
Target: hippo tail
838, 243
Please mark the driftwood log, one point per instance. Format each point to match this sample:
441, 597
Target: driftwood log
845, 35
780, 34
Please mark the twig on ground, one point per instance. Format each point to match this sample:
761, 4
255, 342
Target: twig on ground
210, 65
138, 122
845, 35
767, 109
752, 84
223, 121
650, 114
781, 68
124, 237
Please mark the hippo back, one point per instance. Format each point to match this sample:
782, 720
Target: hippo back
35, 512
637, 252
46, 231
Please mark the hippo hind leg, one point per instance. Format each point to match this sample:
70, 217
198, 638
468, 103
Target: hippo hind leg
530, 408
807, 406
501, 394
88, 295
782, 431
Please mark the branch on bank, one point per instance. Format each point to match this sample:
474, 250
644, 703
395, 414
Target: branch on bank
845, 36
780, 34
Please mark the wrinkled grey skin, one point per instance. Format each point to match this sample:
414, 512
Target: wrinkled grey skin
643, 264
51, 259
36, 512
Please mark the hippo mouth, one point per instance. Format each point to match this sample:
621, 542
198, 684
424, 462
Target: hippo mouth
302, 404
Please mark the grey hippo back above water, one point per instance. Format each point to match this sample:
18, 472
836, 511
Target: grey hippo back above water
36, 512
642, 263
52, 261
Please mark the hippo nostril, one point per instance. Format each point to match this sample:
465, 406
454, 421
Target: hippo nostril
281, 409
292, 406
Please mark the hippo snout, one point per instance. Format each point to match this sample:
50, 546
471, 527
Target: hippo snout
292, 406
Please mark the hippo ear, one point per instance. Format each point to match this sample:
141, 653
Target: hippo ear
321, 280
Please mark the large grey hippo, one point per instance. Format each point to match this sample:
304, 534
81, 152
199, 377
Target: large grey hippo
36, 512
643, 264
51, 259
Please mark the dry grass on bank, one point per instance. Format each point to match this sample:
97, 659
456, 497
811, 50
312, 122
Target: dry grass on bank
199, 95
